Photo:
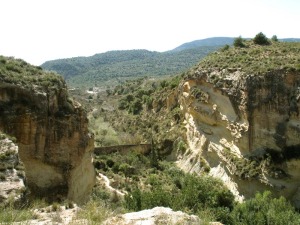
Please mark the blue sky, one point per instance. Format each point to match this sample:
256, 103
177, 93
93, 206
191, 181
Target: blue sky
41, 30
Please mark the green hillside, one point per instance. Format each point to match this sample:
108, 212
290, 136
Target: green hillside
97, 69
255, 59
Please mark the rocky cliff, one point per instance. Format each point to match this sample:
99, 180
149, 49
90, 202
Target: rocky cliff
241, 111
50, 130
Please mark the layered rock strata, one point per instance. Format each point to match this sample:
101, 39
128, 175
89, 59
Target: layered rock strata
244, 128
52, 135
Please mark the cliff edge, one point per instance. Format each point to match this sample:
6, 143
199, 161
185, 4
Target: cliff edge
50, 130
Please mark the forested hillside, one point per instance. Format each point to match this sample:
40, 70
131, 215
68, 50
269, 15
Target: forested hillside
98, 69
88, 71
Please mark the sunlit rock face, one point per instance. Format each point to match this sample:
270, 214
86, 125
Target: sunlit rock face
53, 139
245, 128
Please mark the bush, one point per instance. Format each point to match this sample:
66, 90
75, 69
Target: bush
239, 42
264, 209
135, 107
261, 39
189, 193
126, 169
274, 38
225, 48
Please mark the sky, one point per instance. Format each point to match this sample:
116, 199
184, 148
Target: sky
42, 30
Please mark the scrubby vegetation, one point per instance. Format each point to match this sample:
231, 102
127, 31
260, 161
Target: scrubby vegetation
19, 72
147, 187
265, 209
255, 58
138, 113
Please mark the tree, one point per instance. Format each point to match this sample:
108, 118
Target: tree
239, 42
274, 38
261, 39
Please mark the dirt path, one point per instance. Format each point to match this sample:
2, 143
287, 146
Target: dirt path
106, 181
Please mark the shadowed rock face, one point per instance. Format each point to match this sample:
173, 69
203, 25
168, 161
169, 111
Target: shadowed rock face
246, 128
53, 139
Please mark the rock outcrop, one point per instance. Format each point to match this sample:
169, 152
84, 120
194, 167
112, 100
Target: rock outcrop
51, 131
243, 123
12, 174
157, 215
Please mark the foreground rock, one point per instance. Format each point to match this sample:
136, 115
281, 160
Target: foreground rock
157, 215
12, 174
243, 122
50, 130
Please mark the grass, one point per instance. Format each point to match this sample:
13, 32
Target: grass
10, 214
95, 212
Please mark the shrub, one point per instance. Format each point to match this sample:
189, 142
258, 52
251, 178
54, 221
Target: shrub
274, 38
225, 48
239, 42
110, 163
190, 193
135, 107
126, 169
261, 39
264, 209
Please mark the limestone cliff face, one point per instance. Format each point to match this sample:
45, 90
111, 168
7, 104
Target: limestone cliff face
53, 139
245, 127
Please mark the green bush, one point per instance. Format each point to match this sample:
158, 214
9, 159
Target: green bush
239, 42
126, 169
261, 39
274, 38
135, 107
189, 193
264, 210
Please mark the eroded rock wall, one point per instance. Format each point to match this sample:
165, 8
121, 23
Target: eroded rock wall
245, 128
54, 143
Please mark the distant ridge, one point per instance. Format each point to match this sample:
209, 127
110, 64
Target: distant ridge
290, 39
214, 41
218, 41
